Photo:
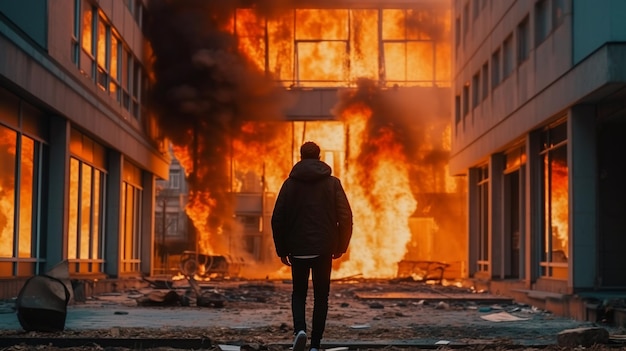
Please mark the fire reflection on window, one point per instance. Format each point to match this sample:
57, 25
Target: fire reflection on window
483, 219
130, 236
85, 207
555, 203
26, 196
8, 144
131, 229
17, 184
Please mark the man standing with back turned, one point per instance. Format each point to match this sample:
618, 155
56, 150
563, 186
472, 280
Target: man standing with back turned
312, 225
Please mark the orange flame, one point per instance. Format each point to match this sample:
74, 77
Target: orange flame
330, 48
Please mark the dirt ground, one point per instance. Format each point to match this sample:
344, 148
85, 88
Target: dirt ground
365, 324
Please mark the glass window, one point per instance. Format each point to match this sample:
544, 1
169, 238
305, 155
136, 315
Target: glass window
26, 189
541, 21
131, 229
483, 219
102, 53
523, 41
476, 89
19, 181
507, 58
409, 49
76, 33
558, 12
466, 97
87, 39
85, 213
466, 15
485, 80
555, 202
115, 67
457, 108
126, 78
174, 179
495, 69
457, 33
137, 80
8, 157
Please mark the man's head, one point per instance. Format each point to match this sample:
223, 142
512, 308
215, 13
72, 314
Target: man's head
310, 150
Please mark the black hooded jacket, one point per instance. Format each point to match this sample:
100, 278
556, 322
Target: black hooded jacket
312, 215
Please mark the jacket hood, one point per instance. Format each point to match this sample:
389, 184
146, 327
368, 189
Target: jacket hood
310, 170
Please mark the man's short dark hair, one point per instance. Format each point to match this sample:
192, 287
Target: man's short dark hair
310, 150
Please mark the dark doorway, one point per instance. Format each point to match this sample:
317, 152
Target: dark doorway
512, 183
612, 202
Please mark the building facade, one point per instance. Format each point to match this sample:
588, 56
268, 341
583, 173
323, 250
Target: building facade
79, 150
539, 98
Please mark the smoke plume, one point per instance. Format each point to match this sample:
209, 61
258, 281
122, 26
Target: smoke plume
204, 93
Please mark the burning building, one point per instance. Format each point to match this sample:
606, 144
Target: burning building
539, 92
239, 86
90, 90
79, 149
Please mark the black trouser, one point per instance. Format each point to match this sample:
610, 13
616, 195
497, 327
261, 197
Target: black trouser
320, 268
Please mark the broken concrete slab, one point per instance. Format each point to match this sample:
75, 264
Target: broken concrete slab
584, 337
426, 296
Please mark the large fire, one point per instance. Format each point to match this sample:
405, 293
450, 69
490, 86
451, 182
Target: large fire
217, 70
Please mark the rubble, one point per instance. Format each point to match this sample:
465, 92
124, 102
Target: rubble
583, 337
256, 315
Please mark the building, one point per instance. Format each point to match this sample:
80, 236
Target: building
316, 53
171, 224
539, 116
79, 149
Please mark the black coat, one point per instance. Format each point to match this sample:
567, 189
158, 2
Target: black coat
312, 215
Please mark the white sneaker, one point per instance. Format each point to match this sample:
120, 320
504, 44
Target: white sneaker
300, 341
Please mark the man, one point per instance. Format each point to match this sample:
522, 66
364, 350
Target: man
312, 225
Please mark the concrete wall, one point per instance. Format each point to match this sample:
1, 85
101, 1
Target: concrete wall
595, 23
497, 120
30, 16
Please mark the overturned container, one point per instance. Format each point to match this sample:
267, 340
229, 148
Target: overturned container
42, 304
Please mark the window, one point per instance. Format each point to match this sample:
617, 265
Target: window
408, 48
495, 69
86, 205
476, 89
75, 53
457, 109
466, 19
115, 67
126, 78
130, 236
507, 58
558, 13
457, 34
523, 41
100, 53
483, 219
135, 7
174, 179
485, 80
137, 79
172, 226
19, 193
554, 166
541, 21
85, 249
87, 39
466, 99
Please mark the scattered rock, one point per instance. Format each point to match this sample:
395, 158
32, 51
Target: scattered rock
584, 337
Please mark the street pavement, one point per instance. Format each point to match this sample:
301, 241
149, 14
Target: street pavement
360, 316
